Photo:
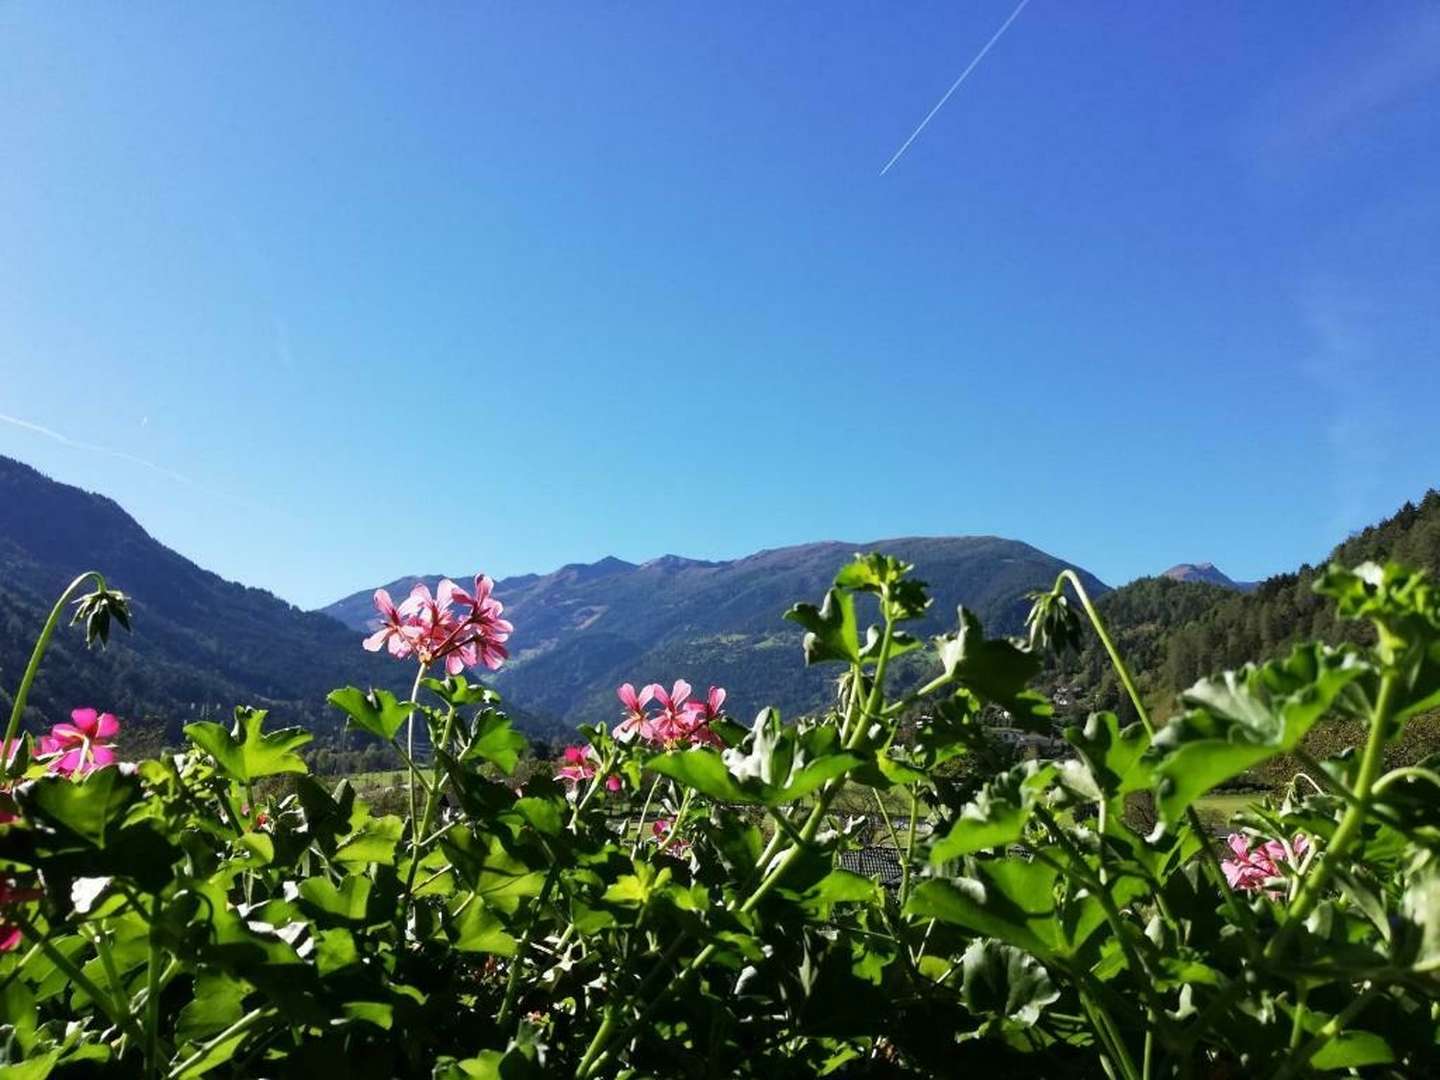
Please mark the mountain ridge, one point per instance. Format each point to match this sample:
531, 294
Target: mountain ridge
583, 629
1208, 573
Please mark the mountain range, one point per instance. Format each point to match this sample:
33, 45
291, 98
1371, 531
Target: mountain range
202, 644
586, 628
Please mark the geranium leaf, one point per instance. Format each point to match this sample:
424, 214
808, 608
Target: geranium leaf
375, 711
245, 752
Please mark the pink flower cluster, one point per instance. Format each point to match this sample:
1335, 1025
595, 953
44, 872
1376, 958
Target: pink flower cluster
464, 629
1260, 868
580, 764
660, 832
81, 746
678, 721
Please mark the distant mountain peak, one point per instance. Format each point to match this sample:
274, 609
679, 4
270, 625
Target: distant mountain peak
1208, 573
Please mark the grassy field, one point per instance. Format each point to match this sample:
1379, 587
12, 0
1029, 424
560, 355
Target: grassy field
1217, 810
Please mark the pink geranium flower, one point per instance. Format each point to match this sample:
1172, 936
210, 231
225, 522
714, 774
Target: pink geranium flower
395, 631
580, 764
81, 746
660, 832
428, 627
1259, 868
675, 720
637, 720
11, 894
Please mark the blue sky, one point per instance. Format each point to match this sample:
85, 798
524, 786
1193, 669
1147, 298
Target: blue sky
397, 289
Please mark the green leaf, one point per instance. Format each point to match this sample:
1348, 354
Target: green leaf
87, 808
842, 886
1114, 759
379, 1013
1245, 717
774, 765
1001, 980
244, 753
375, 711
543, 815
495, 741
998, 814
373, 842
217, 1003
830, 629
479, 930
455, 690
1009, 899
349, 902
258, 847
995, 669
35, 1068
703, 770
1352, 1049
335, 951
501, 878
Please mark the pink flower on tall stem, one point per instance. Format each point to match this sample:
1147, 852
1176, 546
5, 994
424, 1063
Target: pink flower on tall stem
679, 720
81, 746
1260, 868
424, 625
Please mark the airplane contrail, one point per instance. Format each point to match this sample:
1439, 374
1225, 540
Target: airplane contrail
76, 444
956, 84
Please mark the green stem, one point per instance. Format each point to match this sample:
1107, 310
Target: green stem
118, 1017
17, 711
674, 832
152, 999
601, 771
855, 731
512, 982
644, 813
1241, 914
1299, 1058
909, 848
240, 1027
410, 742
1104, 634
1350, 825
421, 836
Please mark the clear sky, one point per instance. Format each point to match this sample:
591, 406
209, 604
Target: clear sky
377, 289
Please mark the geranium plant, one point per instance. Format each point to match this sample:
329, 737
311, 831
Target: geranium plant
683, 896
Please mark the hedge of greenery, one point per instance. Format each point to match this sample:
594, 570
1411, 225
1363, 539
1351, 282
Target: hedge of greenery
675, 900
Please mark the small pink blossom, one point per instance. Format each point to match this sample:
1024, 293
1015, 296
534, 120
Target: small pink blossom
580, 764
637, 721
10, 894
394, 632
1259, 868
81, 746
660, 832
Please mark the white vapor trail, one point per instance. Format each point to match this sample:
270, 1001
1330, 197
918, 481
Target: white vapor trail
76, 444
956, 85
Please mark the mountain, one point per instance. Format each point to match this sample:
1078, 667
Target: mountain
1207, 573
200, 644
585, 628
1175, 631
